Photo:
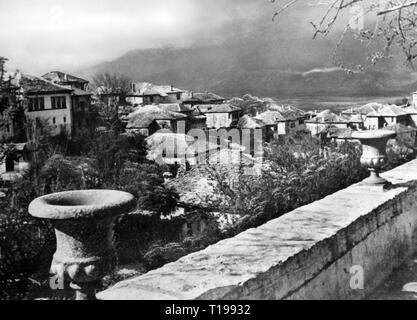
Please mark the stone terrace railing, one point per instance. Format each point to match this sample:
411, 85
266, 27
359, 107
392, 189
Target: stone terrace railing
305, 254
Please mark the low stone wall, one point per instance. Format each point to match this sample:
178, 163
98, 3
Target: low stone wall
320, 251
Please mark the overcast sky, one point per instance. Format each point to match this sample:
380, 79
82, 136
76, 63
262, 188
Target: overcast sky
39, 35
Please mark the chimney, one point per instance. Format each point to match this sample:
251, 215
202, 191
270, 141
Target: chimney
172, 87
66, 77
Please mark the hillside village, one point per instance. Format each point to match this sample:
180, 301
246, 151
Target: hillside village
182, 129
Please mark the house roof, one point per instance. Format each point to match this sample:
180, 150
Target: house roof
142, 117
289, 112
365, 109
166, 140
388, 111
217, 108
392, 111
355, 118
79, 92
32, 84
271, 117
150, 89
203, 97
248, 122
327, 116
58, 76
410, 110
178, 144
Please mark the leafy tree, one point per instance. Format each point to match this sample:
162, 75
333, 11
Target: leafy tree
145, 181
296, 172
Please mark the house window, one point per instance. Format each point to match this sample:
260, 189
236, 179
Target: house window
58, 102
36, 104
292, 125
189, 229
65, 119
53, 120
178, 96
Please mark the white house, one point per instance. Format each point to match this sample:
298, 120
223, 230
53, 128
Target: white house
46, 101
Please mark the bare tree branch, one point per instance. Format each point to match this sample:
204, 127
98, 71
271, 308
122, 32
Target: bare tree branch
402, 6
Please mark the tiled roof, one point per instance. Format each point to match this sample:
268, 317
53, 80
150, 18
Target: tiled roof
33, 84
247, 122
289, 112
327, 116
271, 117
181, 145
204, 97
58, 76
365, 109
392, 111
410, 110
144, 116
217, 108
388, 111
146, 88
355, 118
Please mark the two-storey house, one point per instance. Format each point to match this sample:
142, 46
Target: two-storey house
46, 101
83, 115
220, 115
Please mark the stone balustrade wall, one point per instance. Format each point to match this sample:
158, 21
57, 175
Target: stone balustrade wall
314, 252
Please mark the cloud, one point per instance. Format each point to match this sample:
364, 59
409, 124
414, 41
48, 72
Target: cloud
40, 35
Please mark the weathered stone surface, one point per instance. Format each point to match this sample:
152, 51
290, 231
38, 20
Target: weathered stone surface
374, 157
83, 223
307, 253
81, 204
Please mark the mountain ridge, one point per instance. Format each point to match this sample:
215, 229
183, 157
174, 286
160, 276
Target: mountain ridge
253, 64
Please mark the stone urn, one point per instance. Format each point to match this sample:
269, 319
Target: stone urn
83, 222
374, 155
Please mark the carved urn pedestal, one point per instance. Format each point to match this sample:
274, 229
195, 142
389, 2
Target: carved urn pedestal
83, 222
374, 156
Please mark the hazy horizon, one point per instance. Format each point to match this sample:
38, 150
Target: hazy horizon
39, 36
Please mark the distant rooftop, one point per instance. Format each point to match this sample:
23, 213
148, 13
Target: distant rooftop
271, 117
58, 76
142, 117
33, 84
217, 108
203, 97
388, 111
150, 89
248, 122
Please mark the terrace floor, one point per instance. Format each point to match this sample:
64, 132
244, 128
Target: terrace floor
392, 287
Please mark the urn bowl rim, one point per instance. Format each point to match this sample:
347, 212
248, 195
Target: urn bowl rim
80, 204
